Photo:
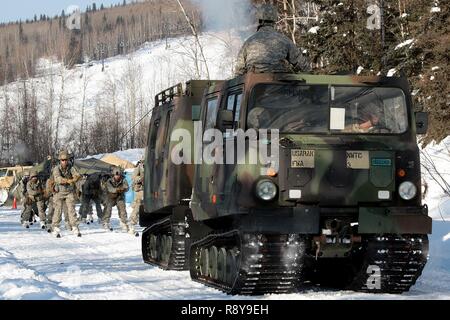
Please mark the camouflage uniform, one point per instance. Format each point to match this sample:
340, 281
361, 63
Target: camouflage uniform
65, 180
27, 208
268, 51
35, 196
116, 197
49, 191
138, 188
91, 192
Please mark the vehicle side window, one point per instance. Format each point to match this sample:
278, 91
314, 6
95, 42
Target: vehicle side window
234, 104
237, 109
211, 115
153, 134
167, 127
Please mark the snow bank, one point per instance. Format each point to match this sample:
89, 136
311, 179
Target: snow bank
155, 67
314, 29
19, 282
435, 160
404, 43
435, 9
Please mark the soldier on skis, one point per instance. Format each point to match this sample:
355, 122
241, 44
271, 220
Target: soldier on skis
35, 198
138, 188
66, 176
116, 187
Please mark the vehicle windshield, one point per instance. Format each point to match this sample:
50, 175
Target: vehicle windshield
3, 172
368, 110
289, 108
323, 109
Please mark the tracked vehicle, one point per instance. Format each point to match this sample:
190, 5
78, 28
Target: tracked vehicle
341, 209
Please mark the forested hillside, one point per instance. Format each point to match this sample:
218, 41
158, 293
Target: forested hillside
101, 33
53, 78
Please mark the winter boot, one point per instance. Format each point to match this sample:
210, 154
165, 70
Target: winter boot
107, 226
26, 224
57, 232
42, 225
90, 219
76, 232
132, 231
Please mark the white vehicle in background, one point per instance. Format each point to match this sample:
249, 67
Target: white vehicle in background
9, 179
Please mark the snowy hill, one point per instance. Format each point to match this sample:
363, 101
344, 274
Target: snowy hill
62, 95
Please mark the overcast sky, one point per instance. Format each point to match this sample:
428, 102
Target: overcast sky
26, 9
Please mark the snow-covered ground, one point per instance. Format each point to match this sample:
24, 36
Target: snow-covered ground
154, 67
105, 265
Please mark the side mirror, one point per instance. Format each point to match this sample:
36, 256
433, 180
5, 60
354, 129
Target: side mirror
196, 112
421, 122
226, 118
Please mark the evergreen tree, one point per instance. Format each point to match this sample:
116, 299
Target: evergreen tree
335, 43
432, 83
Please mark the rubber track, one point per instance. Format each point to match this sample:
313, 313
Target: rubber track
265, 263
401, 260
178, 256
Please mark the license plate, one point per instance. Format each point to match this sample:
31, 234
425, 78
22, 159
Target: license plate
358, 160
303, 158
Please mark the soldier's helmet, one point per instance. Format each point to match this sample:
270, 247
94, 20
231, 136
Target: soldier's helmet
117, 171
267, 13
33, 174
26, 173
64, 155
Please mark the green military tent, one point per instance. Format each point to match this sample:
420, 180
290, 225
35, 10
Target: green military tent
92, 165
86, 166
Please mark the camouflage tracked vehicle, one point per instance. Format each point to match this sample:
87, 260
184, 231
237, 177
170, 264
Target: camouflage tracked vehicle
343, 210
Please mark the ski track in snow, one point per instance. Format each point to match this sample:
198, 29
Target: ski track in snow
108, 265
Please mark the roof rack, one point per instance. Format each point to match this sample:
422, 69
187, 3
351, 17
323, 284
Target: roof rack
169, 94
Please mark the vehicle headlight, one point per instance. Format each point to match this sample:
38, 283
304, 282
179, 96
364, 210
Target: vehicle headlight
407, 190
266, 190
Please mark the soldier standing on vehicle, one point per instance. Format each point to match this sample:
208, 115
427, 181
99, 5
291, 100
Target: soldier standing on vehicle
268, 51
35, 195
66, 176
116, 187
138, 188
